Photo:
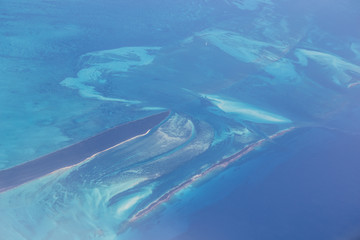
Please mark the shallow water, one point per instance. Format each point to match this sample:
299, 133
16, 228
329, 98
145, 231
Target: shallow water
254, 88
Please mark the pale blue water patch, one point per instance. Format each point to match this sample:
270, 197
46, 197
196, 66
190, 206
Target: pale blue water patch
97, 66
245, 111
153, 108
342, 72
31, 126
248, 4
243, 48
283, 70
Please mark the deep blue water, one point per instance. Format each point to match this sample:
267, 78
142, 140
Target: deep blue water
263, 137
311, 193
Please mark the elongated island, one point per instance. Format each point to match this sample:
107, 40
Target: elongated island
79, 152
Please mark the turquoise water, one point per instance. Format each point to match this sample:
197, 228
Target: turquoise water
254, 87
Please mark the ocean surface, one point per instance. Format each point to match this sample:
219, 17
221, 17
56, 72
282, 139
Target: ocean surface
249, 113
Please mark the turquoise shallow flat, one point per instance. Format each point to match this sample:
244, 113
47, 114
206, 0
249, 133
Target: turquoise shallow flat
179, 120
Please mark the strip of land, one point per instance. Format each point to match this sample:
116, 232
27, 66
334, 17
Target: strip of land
222, 164
77, 153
